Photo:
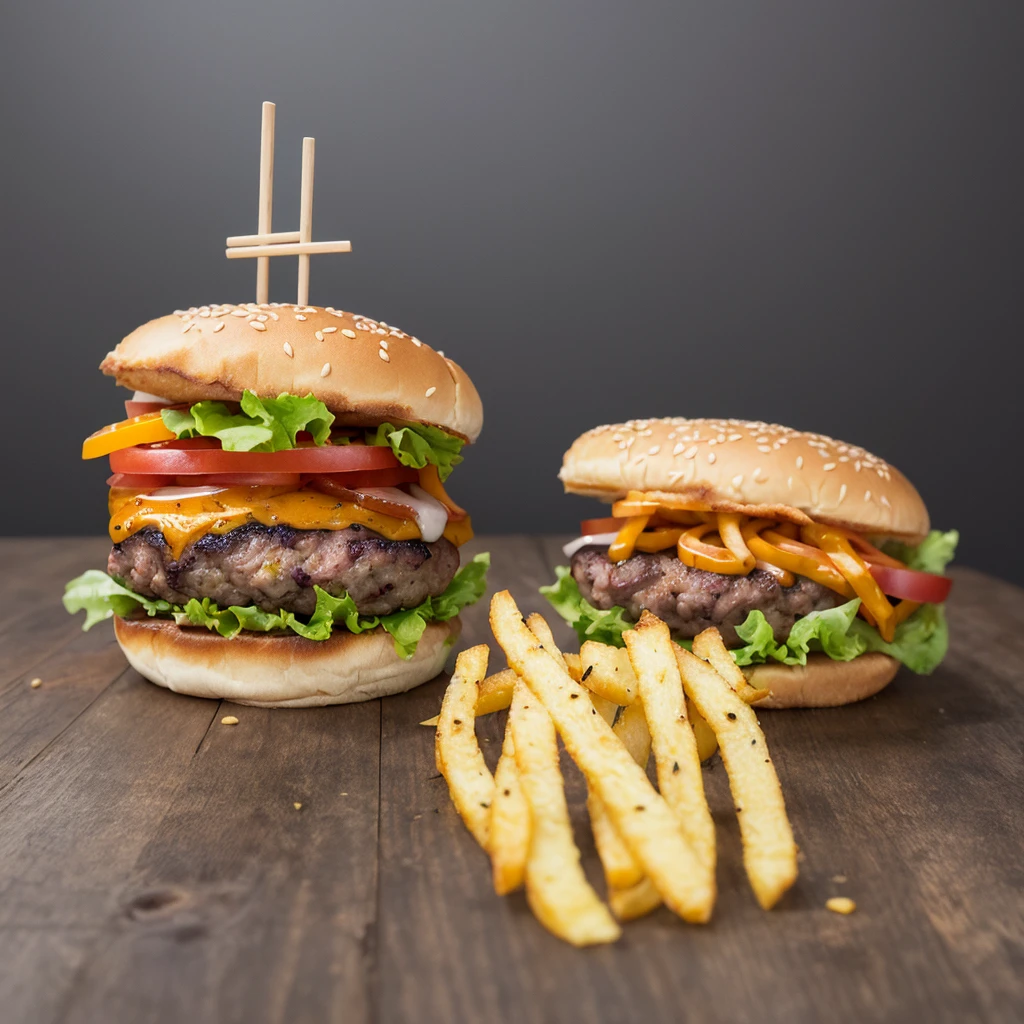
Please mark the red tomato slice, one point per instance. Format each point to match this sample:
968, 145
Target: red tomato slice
911, 585
198, 458
328, 482
609, 525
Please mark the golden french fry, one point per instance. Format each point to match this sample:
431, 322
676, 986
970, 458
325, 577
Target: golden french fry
647, 824
456, 748
539, 627
510, 821
636, 901
707, 741
495, 694
621, 868
709, 646
573, 665
650, 650
556, 888
769, 851
608, 673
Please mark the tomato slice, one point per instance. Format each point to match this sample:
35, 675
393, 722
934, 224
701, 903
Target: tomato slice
330, 483
237, 480
611, 524
197, 458
137, 430
911, 585
133, 408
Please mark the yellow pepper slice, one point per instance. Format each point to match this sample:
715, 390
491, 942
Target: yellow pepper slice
622, 547
146, 429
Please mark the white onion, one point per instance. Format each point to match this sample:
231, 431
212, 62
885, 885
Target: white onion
143, 396
431, 515
180, 493
573, 546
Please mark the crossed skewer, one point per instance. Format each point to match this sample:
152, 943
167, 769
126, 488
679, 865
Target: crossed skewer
266, 243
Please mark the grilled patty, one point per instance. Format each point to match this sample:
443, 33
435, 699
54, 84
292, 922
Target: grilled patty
690, 600
276, 567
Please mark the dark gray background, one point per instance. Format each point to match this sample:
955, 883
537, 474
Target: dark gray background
803, 212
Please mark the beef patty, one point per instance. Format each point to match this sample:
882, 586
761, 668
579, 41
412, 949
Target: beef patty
690, 600
276, 567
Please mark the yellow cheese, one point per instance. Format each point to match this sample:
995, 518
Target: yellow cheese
185, 521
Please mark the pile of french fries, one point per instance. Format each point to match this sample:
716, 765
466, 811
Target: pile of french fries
612, 708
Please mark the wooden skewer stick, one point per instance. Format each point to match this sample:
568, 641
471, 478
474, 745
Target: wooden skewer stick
274, 236
289, 249
306, 217
266, 206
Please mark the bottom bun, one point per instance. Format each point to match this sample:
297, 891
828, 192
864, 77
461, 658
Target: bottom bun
281, 671
822, 682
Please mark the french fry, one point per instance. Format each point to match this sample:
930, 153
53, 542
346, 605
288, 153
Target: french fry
510, 821
647, 824
456, 748
621, 869
636, 901
650, 650
707, 741
556, 888
709, 646
608, 673
539, 627
769, 851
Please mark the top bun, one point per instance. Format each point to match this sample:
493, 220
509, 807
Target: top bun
744, 466
365, 372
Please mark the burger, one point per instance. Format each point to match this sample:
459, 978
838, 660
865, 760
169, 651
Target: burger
282, 533
814, 559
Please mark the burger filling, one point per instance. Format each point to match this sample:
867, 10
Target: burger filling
776, 584
261, 515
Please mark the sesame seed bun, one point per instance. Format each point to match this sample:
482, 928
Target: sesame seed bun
751, 467
822, 682
281, 671
365, 372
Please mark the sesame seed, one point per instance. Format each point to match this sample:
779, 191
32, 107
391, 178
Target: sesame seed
867, 495
257, 326
440, 353
764, 448
263, 318
361, 326
654, 449
288, 350
188, 327
384, 355
239, 312
737, 480
842, 492
679, 448
348, 333
329, 330
416, 342
711, 457
219, 326
789, 482
690, 452
299, 316
384, 345
885, 501
319, 335
799, 462
829, 466
326, 370
429, 392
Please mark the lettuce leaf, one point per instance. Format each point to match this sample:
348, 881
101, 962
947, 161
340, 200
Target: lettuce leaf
920, 643
933, 554
590, 623
262, 424
101, 596
417, 444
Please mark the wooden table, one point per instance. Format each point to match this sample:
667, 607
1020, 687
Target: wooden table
153, 866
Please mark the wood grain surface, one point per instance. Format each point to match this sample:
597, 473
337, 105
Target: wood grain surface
154, 866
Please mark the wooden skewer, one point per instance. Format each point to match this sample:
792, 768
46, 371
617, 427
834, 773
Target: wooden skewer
306, 217
274, 236
296, 249
266, 207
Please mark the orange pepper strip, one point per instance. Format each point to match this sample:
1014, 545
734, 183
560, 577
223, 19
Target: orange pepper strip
904, 610
778, 550
657, 540
732, 538
146, 429
854, 568
783, 576
698, 554
867, 550
622, 547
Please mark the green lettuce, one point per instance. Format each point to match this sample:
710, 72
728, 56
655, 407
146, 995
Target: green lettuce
101, 596
417, 444
920, 642
261, 425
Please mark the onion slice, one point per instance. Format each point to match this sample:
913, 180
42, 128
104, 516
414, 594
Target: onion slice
180, 493
602, 539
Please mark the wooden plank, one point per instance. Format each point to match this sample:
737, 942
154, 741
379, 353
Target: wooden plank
242, 907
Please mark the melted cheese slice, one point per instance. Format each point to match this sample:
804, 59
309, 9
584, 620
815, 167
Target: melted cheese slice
183, 521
